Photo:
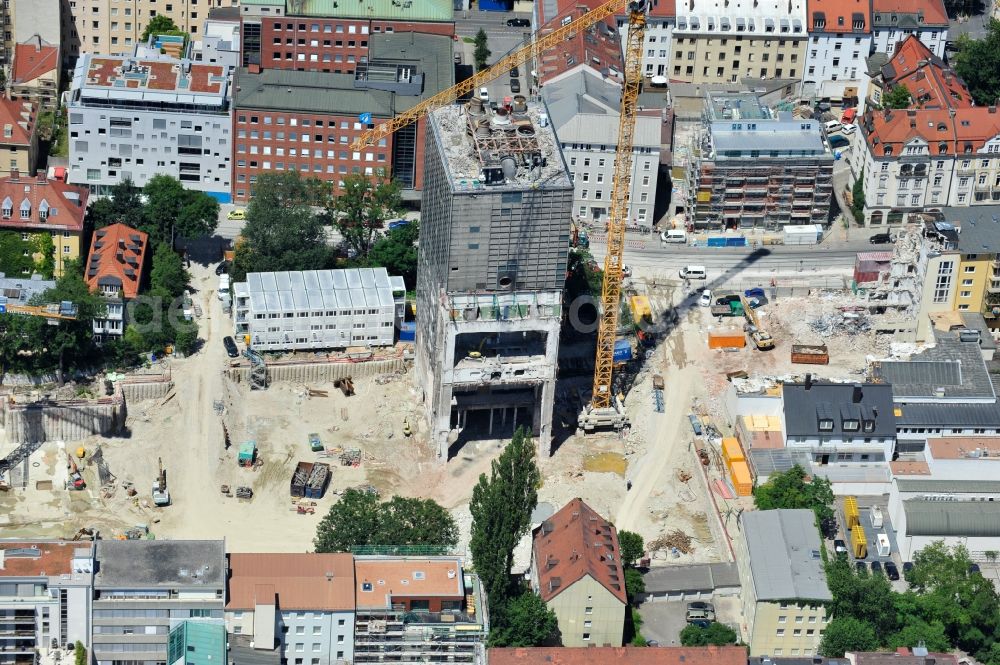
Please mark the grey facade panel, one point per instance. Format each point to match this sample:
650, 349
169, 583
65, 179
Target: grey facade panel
972, 519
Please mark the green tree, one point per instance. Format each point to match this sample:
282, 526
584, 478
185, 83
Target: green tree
397, 253
844, 634
931, 634
632, 547
42, 246
359, 518
718, 634
362, 209
526, 622
868, 598
634, 584
122, 204
16, 254
790, 490
159, 25
79, 654
282, 232
978, 63
501, 510
172, 211
481, 53
858, 198
168, 278
897, 97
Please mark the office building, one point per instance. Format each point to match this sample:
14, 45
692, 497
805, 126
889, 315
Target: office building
418, 610
585, 107
576, 568
496, 207
894, 20
840, 40
784, 583
35, 205
19, 144
145, 588
331, 36
133, 118
35, 74
45, 598
754, 168
195, 642
115, 268
306, 121
319, 309
292, 608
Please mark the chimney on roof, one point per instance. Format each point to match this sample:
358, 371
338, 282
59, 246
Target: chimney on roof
40, 174
809, 381
856, 393
254, 68
121, 257
14, 175
991, 109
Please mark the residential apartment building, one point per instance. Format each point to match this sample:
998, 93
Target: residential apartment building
894, 20
840, 40
307, 120
664, 655
784, 588
319, 309
133, 118
299, 608
112, 27
35, 205
144, 588
598, 47
584, 111
492, 263
577, 570
19, 142
932, 83
418, 610
332, 36
657, 53
750, 39
24, 19
36, 72
751, 167
45, 598
115, 269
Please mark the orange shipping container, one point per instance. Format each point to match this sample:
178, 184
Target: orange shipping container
731, 451
742, 480
728, 339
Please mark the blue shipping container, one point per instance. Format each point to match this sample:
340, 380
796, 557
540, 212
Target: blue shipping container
496, 5
408, 331
623, 351
717, 242
736, 242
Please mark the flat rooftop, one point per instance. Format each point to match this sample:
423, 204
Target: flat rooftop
950, 369
487, 150
377, 578
350, 288
300, 581
735, 106
133, 564
124, 73
392, 10
785, 560
40, 558
965, 447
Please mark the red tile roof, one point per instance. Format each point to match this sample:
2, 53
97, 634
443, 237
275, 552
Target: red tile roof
662, 9
66, 204
20, 116
838, 16
300, 581
620, 656
599, 46
948, 132
933, 10
902, 656
932, 84
49, 558
117, 258
34, 58
573, 543
904, 468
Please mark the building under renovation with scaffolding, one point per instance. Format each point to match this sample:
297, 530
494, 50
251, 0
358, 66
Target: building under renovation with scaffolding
494, 239
753, 168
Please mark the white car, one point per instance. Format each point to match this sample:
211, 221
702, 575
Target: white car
484, 94
848, 129
706, 298
626, 270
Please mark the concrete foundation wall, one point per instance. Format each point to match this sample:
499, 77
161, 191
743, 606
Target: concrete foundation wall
320, 372
135, 391
66, 421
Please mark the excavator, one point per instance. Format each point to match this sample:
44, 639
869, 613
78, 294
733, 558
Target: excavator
606, 408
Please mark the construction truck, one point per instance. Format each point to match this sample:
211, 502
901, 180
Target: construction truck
161, 496
760, 338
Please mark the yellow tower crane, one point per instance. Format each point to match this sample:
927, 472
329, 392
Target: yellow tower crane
52, 312
605, 409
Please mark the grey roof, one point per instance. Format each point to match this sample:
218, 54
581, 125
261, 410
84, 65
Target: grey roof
135, 564
976, 321
696, 577
785, 560
875, 61
765, 140
952, 518
955, 367
324, 92
19, 290
835, 401
937, 486
979, 228
945, 415
317, 290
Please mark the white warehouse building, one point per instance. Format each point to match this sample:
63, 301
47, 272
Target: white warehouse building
318, 309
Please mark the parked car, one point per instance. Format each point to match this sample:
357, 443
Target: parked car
838, 141
484, 94
514, 72
839, 546
706, 298
876, 567
515, 85
697, 612
518, 22
829, 528
880, 239
848, 129
397, 224
222, 268
860, 566
236, 214
891, 571
755, 292
695, 424
907, 566
973, 567
230, 345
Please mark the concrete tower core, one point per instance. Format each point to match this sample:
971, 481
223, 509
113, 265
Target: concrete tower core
494, 239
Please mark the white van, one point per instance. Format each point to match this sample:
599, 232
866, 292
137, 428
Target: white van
833, 126
224, 288
674, 235
693, 272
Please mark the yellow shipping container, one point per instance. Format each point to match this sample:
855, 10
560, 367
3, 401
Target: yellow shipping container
858, 542
742, 479
851, 512
731, 451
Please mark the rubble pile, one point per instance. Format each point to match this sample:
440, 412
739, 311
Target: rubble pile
842, 322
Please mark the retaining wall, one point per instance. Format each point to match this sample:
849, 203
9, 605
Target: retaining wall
320, 372
70, 420
135, 390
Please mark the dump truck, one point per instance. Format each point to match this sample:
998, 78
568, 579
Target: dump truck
727, 306
810, 354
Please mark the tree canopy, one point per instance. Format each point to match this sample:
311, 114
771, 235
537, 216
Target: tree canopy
632, 547
528, 622
791, 490
359, 519
282, 232
481, 52
858, 198
718, 634
362, 209
161, 24
978, 63
844, 634
898, 97
397, 253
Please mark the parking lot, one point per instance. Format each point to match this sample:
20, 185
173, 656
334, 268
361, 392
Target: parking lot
865, 504
664, 620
